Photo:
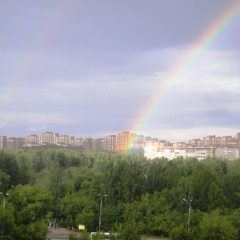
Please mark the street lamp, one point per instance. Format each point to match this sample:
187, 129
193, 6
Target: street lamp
189, 210
4, 197
100, 214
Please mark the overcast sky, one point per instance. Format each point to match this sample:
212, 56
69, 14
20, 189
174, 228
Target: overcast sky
87, 68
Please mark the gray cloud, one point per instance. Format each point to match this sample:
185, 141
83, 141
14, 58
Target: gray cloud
88, 68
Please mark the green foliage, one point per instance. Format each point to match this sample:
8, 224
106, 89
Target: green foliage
9, 166
73, 236
4, 181
128, 230
31, 205
216, 227
84, 236
125, 181
234, 218
98, 236
143, 197
181, 233
7, 221
216, 197
202, 181
34, 230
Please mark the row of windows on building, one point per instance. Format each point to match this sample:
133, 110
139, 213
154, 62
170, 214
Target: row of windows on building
151, 152
115, 143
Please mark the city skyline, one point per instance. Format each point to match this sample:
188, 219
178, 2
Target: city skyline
127, 142
167, 69
236, 135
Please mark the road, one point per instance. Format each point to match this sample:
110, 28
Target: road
59, 234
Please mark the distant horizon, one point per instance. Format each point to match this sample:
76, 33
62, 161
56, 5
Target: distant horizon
102, 136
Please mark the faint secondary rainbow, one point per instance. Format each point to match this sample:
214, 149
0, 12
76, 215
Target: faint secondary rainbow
190, 56
26, 63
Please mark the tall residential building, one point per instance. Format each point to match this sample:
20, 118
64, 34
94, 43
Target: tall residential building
48, 138
15, 143
238, 136
64, 140
71, 140
3, 142
195, 142
98, 144
125, 141
209, 141
110, 143
87, 144
12, 143
238, 139
225, 140
31, 141
78, 142
139, 142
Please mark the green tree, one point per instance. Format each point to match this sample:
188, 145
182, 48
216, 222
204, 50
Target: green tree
31, 207
9, 165
214, 226
4, 181
202, 180
128, 230
181, 233
216, 197
71, 208
7, 221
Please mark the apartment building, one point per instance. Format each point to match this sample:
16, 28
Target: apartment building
139, 142
195, 142
87, 144
109, 143
15, 143
64, 140
159, 143
238, 136
229, 153
48, 138
3, 142
98, 144
225, 140
31, 141
125, 141
78, 142
180, 144
209, 141
151, 152
217, 142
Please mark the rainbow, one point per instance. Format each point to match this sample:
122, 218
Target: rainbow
25, 64
190, 56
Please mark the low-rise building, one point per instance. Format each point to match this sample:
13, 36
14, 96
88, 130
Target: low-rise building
153, 151
229, 153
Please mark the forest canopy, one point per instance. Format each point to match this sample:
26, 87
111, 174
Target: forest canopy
143, 197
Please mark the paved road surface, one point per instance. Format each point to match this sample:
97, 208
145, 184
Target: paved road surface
59, 234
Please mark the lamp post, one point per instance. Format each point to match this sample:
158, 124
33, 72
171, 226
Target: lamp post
100, 214
3, 209
189, 210
4, 199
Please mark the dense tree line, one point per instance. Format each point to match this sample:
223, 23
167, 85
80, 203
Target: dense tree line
144, 197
